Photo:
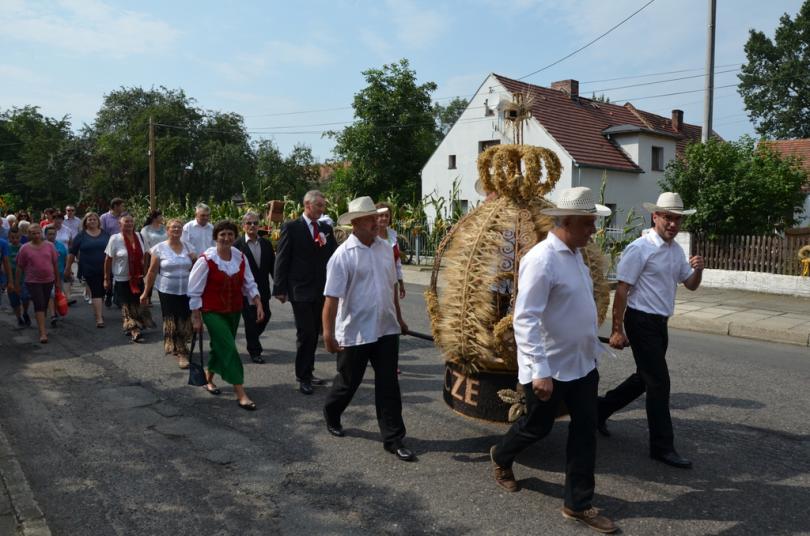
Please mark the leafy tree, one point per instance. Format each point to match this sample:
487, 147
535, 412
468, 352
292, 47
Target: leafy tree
393, 135
775, 83
446, 116
600, 98
37, 160
737, 188
278, 176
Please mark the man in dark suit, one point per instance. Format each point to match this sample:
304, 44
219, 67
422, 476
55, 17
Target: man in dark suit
261, 259
300, 276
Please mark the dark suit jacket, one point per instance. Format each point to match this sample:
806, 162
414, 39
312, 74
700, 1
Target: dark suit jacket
300, 271
263, 272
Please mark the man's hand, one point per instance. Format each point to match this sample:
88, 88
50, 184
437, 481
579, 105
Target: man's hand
106, 284
196, 321
696, 262
403, 326
619, 340
281, 297
259, 313
331, 343
542, 388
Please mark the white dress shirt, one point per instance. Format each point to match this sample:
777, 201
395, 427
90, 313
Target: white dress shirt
198, 236
255, 249
73, 223
653, 268
199, 275
555, 317
363, 278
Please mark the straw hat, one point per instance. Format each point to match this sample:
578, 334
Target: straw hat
362, 206
669, 202
479, 188
577, 202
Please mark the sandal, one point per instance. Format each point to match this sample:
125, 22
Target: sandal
250, 406
215, 391
99, 324
43, 340
137, 337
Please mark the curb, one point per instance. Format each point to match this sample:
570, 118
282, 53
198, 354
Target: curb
30, 519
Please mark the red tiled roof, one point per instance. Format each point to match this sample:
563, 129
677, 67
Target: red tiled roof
577, 125
797, 148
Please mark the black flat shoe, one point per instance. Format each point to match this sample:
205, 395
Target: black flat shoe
257, 359
403, 453
317, 381
215, 391
672, 459
249, 407
305, 388
601, 426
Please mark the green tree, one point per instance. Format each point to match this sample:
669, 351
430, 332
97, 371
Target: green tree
446, 116
393, 135
38, 158
290, 176
775, 82
737, 188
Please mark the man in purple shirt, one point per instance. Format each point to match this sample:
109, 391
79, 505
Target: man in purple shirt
109, 220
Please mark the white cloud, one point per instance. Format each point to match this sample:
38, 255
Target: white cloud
85, 26
245, 67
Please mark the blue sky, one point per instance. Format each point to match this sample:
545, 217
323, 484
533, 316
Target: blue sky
270, 60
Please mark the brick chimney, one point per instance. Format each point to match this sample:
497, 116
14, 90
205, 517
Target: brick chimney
677, 120
568, 86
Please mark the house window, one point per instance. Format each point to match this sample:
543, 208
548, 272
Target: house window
657, 158
484, 145
451, 161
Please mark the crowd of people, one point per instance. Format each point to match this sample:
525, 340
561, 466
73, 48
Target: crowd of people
209, 276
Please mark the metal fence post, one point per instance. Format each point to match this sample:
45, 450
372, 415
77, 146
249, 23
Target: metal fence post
417, 249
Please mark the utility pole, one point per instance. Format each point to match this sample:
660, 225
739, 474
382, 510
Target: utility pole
708, 94
151, 164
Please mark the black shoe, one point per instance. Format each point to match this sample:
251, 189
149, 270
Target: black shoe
26, 319
257, 359
20, 322
601, 426
672, 458
71, 303
305, 388
108, 300
403, 453
333, 428
317, 381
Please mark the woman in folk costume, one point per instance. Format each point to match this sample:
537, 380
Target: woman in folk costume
125, 259
218, 280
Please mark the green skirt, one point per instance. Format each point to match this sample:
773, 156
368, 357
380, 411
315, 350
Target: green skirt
223, 358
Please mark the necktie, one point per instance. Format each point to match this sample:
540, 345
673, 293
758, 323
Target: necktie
315, 232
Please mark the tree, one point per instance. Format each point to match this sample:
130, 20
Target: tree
600, 98
393, 135
446, 116
775, 82
292, 176
737, 188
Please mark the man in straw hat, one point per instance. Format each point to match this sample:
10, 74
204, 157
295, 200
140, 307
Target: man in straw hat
361, 322
555, 322
649, 272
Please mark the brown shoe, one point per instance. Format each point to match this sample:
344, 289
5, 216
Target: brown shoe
182, 362
503, 475
592, 518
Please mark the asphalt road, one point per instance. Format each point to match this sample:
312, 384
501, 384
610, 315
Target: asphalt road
114, 442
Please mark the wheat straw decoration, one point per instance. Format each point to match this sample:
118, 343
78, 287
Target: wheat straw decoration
474, 281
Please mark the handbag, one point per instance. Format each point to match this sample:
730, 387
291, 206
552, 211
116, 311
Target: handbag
196, 371
60, 301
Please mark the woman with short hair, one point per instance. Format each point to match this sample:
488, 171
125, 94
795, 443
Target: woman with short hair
89, 248
37, 258
218, 280
170, 265
125, 259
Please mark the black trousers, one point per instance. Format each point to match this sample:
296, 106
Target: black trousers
648, 339
580, 451
307, 328
254, 330
351, 367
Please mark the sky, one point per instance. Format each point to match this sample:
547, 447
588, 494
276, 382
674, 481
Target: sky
292, 68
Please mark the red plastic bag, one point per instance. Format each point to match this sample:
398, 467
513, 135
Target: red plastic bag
61, 302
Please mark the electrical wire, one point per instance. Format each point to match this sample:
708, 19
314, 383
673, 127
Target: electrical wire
656, 74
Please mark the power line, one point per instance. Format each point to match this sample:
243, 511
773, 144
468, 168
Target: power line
580, 49
662, 81
655, 74
671, 94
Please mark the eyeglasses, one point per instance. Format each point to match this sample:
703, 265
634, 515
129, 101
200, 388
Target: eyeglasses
251, 223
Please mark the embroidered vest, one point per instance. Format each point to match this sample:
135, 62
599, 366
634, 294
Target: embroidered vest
223, 292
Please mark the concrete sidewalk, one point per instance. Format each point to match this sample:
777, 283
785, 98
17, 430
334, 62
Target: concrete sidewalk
738, 313
19, 512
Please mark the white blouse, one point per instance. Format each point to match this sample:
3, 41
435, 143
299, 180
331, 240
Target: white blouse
117, 251
172, 277
199, 275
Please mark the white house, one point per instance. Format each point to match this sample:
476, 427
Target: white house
591, 138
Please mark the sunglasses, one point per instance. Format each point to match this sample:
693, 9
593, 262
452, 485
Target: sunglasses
251, 223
